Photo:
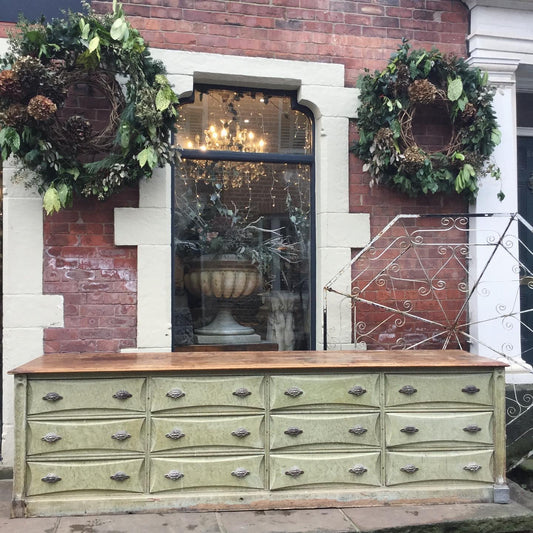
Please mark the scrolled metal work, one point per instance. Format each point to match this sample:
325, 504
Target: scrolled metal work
461, 281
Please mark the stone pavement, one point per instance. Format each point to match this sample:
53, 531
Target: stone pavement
516, 516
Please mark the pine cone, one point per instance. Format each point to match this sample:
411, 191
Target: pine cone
78, 128
16, 115
9, 86
29, 73
41, 108
402, 79
422, 92
468, 114
413, 158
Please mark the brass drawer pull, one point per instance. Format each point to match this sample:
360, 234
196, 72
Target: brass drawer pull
472, 428
122, 395
241, 433
240, 472
51, 478
293, 431
409, 429
294, 472
119, 476
294, 392
357, 391
121, 435
472, 467
51, 437
174, 475
175, 434
407, 389
52, 397
175, 394
470, 389
409, 469
241, 393
358, 470
358, 430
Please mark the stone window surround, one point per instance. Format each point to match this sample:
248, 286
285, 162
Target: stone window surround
320, 87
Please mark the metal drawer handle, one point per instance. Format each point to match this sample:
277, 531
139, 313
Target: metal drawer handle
119, 476
121, 435
472, 467
241, 393
175, 434
358, 470
52, 397
240, 472
293, 431
294, 472
358, 430
407, 389
174, 475
294, 392
51, 437
122, 395
175, 394
241, 433
470, 389
472, 428
357, 390
409, 469
409, 429
51, 478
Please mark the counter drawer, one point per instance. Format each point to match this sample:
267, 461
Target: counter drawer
207, 394
421, 467
87, 396
207, 432
340, 469
75, 476
439, 429
83, 437
324, 431
324, 391
207, 473
438, 390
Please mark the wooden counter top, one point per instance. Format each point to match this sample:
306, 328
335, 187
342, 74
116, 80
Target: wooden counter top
246, 360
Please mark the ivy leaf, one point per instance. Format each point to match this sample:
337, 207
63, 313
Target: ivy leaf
94, 44
64, 193
496, 136
119, 29
455, 89
9, 141
51, 200
162, 101
147, 156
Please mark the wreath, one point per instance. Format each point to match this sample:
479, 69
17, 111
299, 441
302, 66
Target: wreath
66, 151
442, 85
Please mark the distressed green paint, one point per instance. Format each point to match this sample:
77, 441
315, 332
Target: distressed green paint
82, 437
325, 431
322, 391
207, 433
438, 390
87, 396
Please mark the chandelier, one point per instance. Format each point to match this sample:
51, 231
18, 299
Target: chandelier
230, 137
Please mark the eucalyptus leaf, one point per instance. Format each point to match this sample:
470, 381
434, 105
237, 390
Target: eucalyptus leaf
455, 89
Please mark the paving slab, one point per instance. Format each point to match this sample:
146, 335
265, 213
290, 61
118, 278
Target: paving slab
167, 523
482, 517
287, 521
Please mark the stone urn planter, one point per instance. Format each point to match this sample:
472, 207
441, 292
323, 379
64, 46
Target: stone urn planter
227, 278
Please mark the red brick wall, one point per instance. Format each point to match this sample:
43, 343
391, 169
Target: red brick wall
97, 279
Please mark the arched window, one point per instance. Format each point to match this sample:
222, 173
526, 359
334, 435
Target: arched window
242, 220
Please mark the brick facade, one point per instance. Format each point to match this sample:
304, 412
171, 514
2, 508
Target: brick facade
96, 278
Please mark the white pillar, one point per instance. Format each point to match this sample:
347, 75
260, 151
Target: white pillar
496, 294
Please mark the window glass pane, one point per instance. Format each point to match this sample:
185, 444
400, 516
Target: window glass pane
243, 121
260, 212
